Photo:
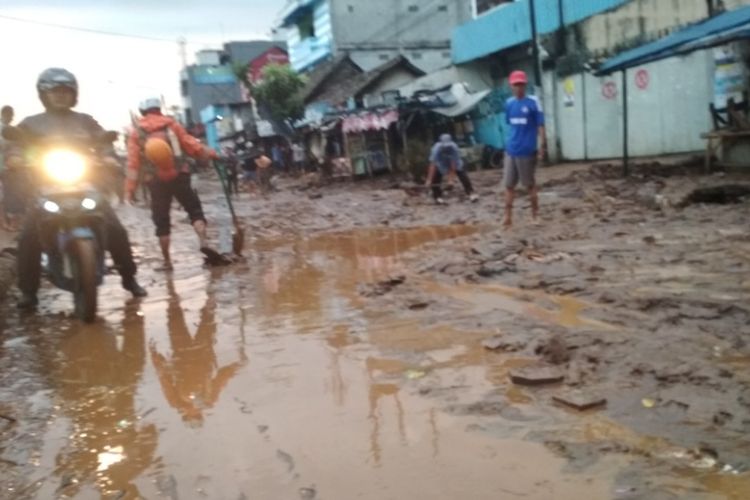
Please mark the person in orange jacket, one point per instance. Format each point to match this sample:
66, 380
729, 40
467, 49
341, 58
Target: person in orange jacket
158, 144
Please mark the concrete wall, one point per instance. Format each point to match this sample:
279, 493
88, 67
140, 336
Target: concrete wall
667, 102
393, 81
374, 32
649, 18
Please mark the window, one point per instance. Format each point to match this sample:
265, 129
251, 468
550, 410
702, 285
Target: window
351, 8
443, 8
384, 57
414, 8
306, 26
417, 55
446, 55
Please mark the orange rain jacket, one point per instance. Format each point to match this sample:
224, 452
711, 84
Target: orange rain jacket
150, 124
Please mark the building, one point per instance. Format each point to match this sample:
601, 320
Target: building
212, 80
244, 52
273, 56
483, 6
206, 83
373, 33
668, 101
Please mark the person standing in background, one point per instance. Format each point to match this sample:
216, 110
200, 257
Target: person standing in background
525, 146
298, 157
13, 185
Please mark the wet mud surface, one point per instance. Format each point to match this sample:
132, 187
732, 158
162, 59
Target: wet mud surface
375, 346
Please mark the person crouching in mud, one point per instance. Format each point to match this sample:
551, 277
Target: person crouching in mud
445, 158
157, 143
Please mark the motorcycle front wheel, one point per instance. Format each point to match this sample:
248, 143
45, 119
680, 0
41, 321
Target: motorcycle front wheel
84, 269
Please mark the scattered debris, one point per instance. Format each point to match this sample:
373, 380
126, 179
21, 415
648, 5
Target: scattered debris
537, 375
504, 343
722, 195
580, 400
382, 287
415, 374
308, 493
554, 351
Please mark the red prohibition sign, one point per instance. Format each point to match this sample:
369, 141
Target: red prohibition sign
609, 90
642, 79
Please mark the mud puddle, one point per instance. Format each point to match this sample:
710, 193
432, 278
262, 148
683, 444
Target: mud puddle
273, 379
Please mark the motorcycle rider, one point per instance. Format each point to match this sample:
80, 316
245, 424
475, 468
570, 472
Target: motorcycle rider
167, 174
58, 91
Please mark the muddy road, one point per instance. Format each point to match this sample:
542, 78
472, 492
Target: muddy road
369, 345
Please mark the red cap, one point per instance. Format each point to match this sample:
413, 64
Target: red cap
518, 77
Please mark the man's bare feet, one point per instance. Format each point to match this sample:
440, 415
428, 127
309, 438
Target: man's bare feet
507, 223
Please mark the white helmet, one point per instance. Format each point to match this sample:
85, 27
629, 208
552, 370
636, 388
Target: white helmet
150, 103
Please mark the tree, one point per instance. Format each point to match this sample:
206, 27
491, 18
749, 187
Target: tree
240, 71
279, 91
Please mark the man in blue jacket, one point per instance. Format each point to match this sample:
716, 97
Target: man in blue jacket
445, 159
526, 144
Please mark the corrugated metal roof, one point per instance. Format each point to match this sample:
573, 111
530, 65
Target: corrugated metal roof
731, 25
508, 25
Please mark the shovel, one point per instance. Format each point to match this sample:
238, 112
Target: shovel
238, 234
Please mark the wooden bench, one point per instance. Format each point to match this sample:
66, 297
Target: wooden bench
731, 124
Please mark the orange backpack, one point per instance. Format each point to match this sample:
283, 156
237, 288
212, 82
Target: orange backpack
161, 150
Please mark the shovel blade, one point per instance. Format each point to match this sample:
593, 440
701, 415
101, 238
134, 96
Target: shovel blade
238, 241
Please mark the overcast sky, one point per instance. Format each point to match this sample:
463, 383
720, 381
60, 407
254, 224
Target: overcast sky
114, 73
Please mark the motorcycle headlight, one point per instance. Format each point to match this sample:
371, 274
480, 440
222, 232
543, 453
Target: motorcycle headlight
65, 167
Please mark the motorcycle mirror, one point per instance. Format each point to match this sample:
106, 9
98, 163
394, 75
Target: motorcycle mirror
12, 133
109, 137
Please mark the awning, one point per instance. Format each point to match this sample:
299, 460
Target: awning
723, 28
369, 121
465, 102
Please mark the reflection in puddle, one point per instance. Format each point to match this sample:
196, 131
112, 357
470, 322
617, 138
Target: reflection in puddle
109, 457
191, 378
263, 382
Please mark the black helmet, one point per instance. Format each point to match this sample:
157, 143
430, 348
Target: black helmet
56, 77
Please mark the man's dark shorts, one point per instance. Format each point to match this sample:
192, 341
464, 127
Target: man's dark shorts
162, 194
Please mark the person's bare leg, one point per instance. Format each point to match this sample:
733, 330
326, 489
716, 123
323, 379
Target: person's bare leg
164, 243
509, 197
200, 230
534, 196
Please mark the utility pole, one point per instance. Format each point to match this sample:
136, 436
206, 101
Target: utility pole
182, 43
535, 47
562, 34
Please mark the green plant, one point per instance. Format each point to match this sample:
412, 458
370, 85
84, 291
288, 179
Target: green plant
240, 71
279, 90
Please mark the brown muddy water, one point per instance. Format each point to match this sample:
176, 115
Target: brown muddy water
273, 380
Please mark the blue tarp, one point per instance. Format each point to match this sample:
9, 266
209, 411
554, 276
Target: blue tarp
723, 28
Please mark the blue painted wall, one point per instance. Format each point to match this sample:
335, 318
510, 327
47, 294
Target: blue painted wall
304, 53
508, 25
208, 118
490, 127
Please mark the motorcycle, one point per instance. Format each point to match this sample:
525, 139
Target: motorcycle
69, 214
